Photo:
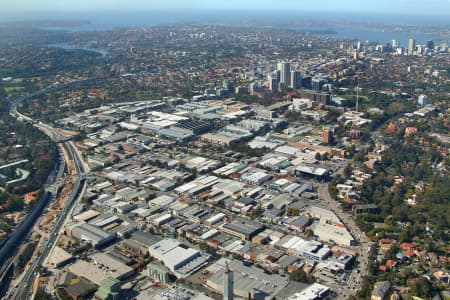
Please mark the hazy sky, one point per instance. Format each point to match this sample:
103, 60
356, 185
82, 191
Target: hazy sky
428, 7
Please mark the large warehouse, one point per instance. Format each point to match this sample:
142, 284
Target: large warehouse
91, 233
181, 260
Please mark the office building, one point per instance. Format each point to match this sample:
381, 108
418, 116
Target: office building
285, 73
273, 81
423, 100
242, 90
411, 46
296, 79
317, 96
327, 136
317, 83
228, 85
395, 44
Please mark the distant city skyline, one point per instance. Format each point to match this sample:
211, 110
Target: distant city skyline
420, 7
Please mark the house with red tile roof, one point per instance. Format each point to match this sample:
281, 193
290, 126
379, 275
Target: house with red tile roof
408, 246
391, 263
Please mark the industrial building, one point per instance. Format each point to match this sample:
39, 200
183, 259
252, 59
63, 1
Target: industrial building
59, 258
80, 288
248, 282
193, 127
139, 242
255, 176
179, 259
197, 186
91, 233
243, 228
332, 233
312, 171
307, 249
86, 216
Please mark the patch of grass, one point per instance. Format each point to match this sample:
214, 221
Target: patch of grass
10, 89
353, 97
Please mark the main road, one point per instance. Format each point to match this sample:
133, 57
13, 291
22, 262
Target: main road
363, 249
23, 290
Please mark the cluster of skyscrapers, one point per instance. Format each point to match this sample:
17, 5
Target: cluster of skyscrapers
284, 77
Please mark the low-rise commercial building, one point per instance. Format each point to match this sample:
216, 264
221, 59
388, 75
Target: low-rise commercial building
243, 228
333, 233
381, 290
315, 291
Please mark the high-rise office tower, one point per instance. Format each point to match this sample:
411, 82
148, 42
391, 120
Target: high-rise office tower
285, 73
423, 100
296, 79
273, 82
395, 44
317, 83
327, 136
227, 283
411, 46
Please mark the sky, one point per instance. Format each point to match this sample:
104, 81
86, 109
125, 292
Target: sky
410, 7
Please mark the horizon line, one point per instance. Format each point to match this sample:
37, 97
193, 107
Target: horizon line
417, 14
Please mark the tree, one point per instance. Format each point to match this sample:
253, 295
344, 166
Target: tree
421, 287
299, 275
318, 156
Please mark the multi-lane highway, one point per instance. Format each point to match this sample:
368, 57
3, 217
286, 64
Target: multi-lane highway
23, 290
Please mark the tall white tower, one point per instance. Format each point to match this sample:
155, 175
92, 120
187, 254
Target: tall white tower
285, 73
227, 283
